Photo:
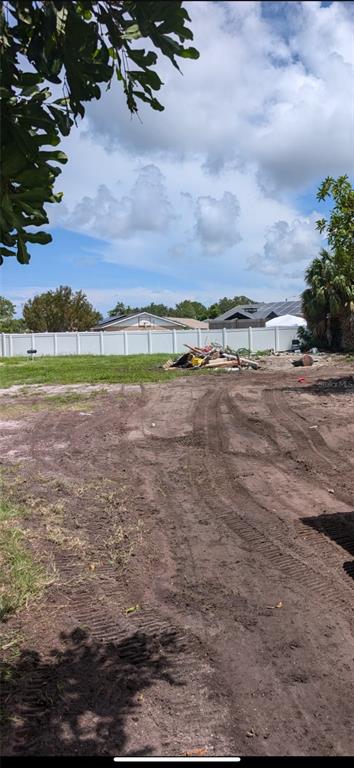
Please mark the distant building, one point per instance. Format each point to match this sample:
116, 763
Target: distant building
145, 321
256, 314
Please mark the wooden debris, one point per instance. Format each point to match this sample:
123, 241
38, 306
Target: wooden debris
211, 356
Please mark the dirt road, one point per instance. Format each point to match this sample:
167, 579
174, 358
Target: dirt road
203, 596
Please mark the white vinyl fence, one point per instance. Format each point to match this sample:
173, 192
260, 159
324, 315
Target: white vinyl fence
143, 342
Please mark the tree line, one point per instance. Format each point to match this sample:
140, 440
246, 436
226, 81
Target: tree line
64, 309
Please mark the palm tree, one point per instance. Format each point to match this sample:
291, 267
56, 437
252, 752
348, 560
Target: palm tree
328, 299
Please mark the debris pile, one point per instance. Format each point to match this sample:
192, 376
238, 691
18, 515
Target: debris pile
305, 360
211, 356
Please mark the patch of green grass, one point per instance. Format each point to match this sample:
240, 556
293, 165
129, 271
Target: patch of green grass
21, 578
262, 353
90, 369
7, 511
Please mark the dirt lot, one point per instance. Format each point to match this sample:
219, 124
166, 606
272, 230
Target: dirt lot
202, 535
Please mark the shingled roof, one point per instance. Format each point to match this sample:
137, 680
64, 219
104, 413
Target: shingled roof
261, 311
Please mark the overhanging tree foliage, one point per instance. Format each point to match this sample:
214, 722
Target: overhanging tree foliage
79, 46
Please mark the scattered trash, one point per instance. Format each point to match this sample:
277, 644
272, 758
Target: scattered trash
305, 360
295, 345
278, 605
197, 752
212, 356
314, 350
153, 424
330, 490
301, 379
133, 608
314, 427
251, 733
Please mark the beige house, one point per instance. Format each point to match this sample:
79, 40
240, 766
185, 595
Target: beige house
145, 321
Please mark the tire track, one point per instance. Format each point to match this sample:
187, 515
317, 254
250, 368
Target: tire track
99, 607
271, 544
316, 445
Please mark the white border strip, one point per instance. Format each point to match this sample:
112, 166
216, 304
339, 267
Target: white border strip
177, 759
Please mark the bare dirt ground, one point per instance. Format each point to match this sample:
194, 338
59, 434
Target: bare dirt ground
202, 534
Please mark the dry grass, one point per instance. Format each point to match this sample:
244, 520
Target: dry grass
123, 543
69, 401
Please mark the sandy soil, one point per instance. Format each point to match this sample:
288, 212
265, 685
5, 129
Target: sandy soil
202, 534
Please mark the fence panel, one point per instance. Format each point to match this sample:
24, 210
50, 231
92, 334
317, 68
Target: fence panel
236, 339
162, 342
263, 338
20, 344
138, 343
43, 343
144, 342
89, 343
67, 343
285, 336
113, 343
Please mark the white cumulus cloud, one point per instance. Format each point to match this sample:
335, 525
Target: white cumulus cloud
287, 243
217, 222
145, 209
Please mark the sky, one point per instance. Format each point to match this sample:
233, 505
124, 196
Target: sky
215, 196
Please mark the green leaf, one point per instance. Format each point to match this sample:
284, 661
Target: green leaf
149, 100
7, 210
14, 162
131, 33
37, 194
29, 78
189, 53
62, 119
61, 20
22, 254
29, 90
46, 138
56, 154
34, 176
23, 10
43, 238
6, 252
141, 58
147, 79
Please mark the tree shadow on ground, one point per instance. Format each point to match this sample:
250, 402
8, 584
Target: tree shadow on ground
339, 527
77, 701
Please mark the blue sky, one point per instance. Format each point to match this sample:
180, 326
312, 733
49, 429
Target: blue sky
216, 195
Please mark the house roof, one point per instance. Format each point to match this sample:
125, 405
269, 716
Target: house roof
247, 310
191, 322
108, 320
118, 319
262, 310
